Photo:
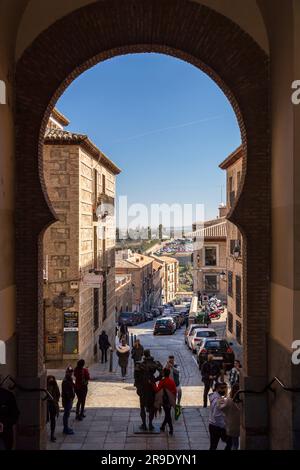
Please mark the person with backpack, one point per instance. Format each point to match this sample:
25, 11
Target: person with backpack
146, 373
82, 378
104, 344
52, 405
166, 397
137, 351
68, 395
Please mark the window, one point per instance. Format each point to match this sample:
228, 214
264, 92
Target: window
229, 283
230, 322
104, 298
95, 248
238, 295
211, 283
235, 244
95, 178
210, 256
103, 184
238, 331
238, 178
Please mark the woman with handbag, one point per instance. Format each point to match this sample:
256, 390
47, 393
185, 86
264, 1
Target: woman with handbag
52, 405
166, 397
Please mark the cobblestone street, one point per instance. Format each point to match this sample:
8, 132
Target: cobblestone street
112, 409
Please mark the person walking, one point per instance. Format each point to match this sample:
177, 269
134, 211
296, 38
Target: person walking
175, 375
210, 372
217, 426
82, 378
68, 395
166, 397
145, 375
52, 405
123, 351
234, 374
104, 344
9, 414
137, 351
231, 411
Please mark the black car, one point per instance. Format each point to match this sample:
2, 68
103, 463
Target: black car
165, 326
219, 348
176, 318
128, 318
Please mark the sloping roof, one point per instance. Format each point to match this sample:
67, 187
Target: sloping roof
232, 158
218, 230
157, 265
59, 117
62, 137
140, 260
124, 263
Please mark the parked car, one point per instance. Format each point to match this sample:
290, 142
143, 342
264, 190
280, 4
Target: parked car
176, 318
167, 311
165, 325
219, 348
149, 316
190, 330
139, 316
128, 318
155, 312
198, 333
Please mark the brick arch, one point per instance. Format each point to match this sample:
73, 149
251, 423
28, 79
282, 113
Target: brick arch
101, 30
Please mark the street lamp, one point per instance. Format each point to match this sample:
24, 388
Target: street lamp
223, 275
237, 251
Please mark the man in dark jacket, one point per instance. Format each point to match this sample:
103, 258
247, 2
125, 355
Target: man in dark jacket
104, 344
144, 376
68, 395
210, 372
9, 414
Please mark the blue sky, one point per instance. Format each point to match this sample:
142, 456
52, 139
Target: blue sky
166, 124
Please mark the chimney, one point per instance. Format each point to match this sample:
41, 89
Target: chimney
222, 210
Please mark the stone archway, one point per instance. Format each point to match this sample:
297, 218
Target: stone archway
78, 41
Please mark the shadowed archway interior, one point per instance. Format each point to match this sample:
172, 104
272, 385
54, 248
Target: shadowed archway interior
97, 32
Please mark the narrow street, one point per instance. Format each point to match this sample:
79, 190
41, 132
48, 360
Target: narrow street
112, 410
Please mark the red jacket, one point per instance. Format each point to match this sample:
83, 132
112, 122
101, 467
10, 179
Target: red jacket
82, 377
168, 384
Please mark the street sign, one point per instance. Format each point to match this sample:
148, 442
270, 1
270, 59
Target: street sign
70, 321
63, 301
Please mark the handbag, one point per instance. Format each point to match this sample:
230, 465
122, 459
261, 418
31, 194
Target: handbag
177, 412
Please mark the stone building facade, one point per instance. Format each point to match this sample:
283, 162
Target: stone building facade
233, 166
79, 273
124, 293
209, 257
170, 277
140, 267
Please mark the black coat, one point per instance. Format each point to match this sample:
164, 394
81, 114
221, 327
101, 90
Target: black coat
137, 353
210, 368
144, 377
67, 390
103, 341
9, 411
123, 356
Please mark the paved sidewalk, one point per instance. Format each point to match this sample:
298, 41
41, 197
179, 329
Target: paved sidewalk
112, 408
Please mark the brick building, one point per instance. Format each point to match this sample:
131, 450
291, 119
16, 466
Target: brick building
124, 293
233, 166
170, 275
209, 257
79, 273
141, 269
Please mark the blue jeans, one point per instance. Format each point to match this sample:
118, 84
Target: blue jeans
67, 410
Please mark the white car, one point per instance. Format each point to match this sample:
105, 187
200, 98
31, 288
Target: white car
197, 335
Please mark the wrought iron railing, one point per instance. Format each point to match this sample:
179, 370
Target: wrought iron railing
14, 385
267, 388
